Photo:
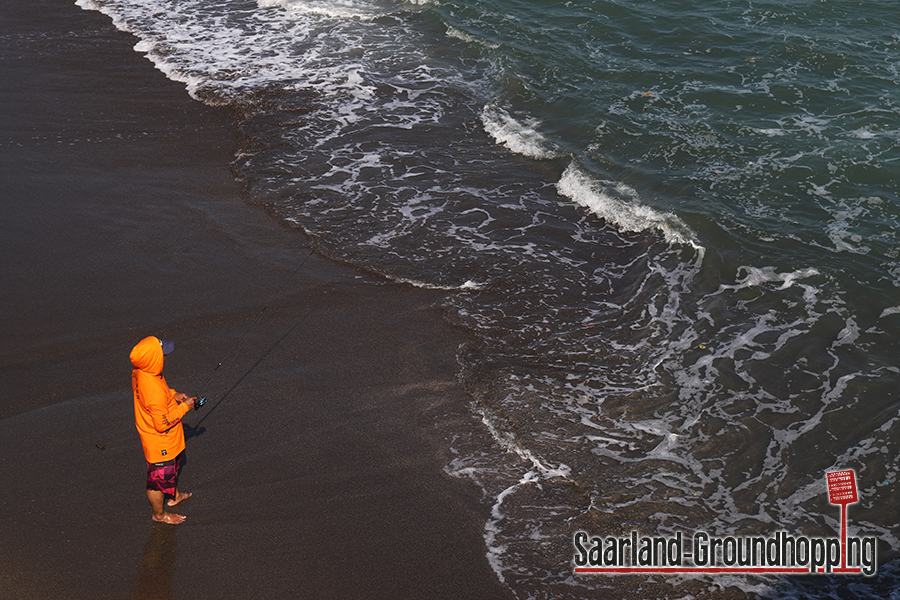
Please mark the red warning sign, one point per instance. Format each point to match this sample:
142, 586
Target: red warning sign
842, 487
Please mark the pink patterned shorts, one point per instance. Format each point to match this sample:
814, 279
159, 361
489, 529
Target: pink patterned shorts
163, 476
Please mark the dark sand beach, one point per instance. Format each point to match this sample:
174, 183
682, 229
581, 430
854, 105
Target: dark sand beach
317, 465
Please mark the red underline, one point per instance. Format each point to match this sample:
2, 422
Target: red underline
763, 570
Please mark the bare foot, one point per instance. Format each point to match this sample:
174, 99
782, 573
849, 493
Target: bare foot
170, 518
178, 498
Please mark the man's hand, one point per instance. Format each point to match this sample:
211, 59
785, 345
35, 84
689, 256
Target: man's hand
182, 397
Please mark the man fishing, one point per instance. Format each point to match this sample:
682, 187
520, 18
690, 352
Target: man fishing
158, 410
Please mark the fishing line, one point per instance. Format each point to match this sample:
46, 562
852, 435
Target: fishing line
200, 401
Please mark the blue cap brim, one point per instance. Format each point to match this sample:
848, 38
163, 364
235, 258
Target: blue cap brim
167, 346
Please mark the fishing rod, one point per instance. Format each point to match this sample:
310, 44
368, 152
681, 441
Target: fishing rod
201, 400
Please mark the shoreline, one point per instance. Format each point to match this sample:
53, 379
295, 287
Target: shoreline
317, 465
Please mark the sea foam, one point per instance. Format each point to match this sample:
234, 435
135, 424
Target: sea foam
620, 205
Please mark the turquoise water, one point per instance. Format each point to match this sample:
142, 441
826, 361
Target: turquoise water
669, 227
769, 127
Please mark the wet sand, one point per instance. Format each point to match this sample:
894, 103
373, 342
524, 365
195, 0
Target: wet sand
317, 465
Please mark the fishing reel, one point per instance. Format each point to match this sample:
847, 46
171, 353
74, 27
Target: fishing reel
199, 401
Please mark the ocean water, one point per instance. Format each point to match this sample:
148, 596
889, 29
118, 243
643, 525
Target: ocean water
669, 225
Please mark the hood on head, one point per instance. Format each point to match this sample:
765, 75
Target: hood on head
148, 355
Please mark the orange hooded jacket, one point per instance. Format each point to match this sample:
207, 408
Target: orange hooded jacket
156, 414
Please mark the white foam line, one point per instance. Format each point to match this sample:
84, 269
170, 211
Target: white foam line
468, 285
625, 212
508, 442
491, 529
521, 138
338, 9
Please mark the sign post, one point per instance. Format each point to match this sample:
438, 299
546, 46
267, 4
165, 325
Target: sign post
842, 490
